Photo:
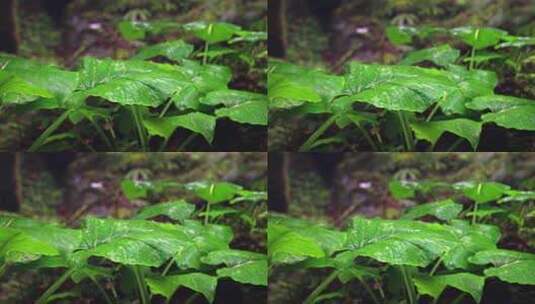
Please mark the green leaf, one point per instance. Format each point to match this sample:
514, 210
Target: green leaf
214, 192
127, 92
510, 266
196, 122
177, 210
479, 38
253, 112
186, 97
520, 118
292, 247
401, 189
175, 50
482, 192
16, 90
231, 257
198, 282
213, 32
400, 35
444, 210
230, 98
435, 285
497, 103
253, 272
483, 57
19, 247
442, 55
518, 196
432, 131
399, 242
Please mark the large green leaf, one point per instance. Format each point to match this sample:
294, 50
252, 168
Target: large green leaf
132, 242
442, 55
520, 118
19, 247
432, 131
290, 85
197, 122
398, 242
253, 272
60, 83
175, 50
212, 32
482, 192
177, 210
435, 285
137, 30
230, 98
214, 192
444, 210
479, 38
292, 247
253, 112
16, 90
128, 92
198, 282
497, 103
231, 257
510, 266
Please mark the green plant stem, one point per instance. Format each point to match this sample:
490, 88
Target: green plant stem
367, 137
369, 290
192, 298
472, 56
406, 131
166, 108
46, 134
103, 135
168, 266
141, 133
435, 267
143, 293
433, 112
406, 281
205, 54
455, 144
55, 286
186, 142
317, 134
476, 203
102, 291
321, 287
206, 213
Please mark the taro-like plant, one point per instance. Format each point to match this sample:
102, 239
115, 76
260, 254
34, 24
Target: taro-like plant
156, 258
130, 104
393, 107
399, 260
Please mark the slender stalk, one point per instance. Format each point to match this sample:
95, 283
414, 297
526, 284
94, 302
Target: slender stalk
367, 137
102, 135
406, 131
102, 291
455, 144
46, 134
168, 267
433, 112
369, 290
476, 203
410, 291
206, 213
188, 140
141, 134
166, 108
472, 56
317, 134
435, 267
320, 288
205, 54
192, 298
54, 287
143, 293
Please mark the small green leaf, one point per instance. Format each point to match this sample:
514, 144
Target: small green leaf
197, 122
214, 192
482, 192
175, 50
213, 32
479, 38
435, 285
520, 118
442, 55
177, 210
432, 131
198, 282
253, 272
253, 112
444, 210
